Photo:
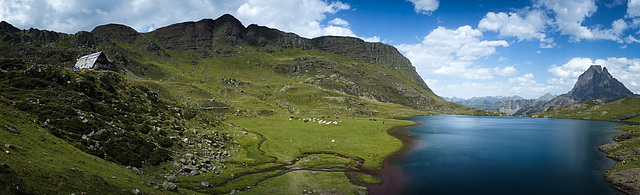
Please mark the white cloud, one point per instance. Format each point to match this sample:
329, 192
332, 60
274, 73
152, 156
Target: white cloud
526, 79
301, 17
529, 26
371, 39
339, 22
563, 16
569, 15
338, 31
425, 6
571, 69
506, 71
633, 8
451, 52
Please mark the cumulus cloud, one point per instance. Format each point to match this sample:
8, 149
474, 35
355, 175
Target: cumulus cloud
564, 16
569, 16
451, 52
506, 71
625, 70
425, 6
339, 22
526, 79
633, 8
571, 69
529, 26
301, 17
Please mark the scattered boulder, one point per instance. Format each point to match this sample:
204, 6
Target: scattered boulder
20, 186
12, 129
169, 186
172, 178
136, 192
205, 184
136, 171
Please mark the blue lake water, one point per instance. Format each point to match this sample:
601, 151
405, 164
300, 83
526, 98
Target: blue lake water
506, 155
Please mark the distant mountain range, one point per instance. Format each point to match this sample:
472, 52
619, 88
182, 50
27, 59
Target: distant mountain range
493, 103
594, 84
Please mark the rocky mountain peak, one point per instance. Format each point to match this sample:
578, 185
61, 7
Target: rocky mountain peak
597, 84
5, 28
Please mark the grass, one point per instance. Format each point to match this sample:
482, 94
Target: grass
625, 109
326, 161
299, 182
357, 138
49, 165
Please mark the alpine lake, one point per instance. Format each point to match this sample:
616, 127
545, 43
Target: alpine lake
453, 154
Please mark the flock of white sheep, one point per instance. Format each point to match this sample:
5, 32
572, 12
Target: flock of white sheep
315, 120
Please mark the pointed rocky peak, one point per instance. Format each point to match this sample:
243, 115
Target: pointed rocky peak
115, 32
597, 84
5, 28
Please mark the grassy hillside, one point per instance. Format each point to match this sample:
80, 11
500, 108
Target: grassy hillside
205, 110
625, 109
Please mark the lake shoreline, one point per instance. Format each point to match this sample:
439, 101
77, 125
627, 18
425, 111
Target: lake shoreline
624, 180
393, 177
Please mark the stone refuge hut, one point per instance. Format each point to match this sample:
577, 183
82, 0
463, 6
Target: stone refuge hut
95, 61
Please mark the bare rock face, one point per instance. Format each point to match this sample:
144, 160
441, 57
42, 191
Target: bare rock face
7, 28
597, 84
627, 180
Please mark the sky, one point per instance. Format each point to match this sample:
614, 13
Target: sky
461, 48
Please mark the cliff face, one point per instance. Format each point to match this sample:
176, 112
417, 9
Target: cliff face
597, 84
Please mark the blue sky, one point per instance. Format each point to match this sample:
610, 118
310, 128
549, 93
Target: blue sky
461, 48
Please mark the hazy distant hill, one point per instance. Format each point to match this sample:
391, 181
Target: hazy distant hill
488, 103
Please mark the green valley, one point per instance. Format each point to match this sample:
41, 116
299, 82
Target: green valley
202, 107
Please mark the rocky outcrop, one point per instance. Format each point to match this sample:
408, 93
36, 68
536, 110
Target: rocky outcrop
6, 28
627, 180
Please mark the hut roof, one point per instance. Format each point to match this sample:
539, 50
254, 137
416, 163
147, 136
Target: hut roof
88, 61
